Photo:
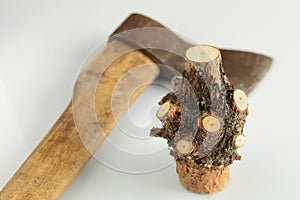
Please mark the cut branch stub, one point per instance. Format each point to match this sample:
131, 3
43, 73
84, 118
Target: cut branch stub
238, 140
184, 146
206, 58
240, 100
210, 123
163, 111
166, 110
202, 53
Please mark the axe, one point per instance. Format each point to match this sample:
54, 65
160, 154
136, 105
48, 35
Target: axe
70, 144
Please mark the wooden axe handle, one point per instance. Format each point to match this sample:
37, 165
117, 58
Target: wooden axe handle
61, 155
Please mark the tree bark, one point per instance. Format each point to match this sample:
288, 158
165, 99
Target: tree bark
206, 131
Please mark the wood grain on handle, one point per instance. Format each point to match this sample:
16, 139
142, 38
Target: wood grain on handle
61, 155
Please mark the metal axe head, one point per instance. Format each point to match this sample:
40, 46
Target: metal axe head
244, 69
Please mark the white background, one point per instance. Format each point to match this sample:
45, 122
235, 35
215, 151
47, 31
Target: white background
42, 44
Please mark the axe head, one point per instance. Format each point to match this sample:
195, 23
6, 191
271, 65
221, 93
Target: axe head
244, 69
